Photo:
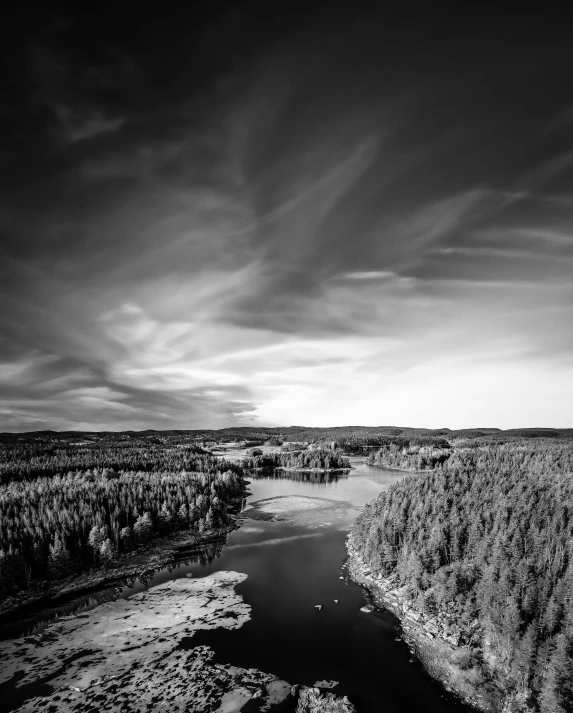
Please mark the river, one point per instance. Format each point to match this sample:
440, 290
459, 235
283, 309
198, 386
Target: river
291, 568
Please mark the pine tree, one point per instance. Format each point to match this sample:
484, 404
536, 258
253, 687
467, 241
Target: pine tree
59, 560
96, 538
183, 518
143, 528
164, 520
557, 692
107, 551
525, 654
126, 535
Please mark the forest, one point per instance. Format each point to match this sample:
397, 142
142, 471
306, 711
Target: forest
318, 459
358, 444
64, 510
487, 535
25, 459
419, 454
410, 455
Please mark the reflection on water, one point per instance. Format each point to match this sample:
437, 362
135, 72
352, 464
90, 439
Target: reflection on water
305, 477
34, 619
292, 568
37, 616
359, 486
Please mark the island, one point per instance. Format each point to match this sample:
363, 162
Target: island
318, 459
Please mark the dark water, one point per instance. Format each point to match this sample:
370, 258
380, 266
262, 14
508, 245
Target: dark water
292, 568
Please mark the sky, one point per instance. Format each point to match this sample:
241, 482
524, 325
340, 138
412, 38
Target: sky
249, 214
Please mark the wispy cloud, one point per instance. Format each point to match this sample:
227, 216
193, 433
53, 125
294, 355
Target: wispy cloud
77, 126
370, 275
304, 235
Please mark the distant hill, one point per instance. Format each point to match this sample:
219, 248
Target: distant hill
290, 433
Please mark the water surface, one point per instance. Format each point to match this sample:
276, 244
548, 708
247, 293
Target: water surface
291, 568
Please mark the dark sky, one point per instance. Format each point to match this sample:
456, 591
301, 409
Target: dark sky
257, 213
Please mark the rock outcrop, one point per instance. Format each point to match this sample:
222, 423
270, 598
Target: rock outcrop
313, 700
135, 655
116, 636
436, 640
185, 680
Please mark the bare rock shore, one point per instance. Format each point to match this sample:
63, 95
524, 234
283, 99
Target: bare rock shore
189, 681
185, 680
145, 560
436, 641
313, 700
137, 654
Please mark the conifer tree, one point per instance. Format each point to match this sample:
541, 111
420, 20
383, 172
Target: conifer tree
107, 551
59, 560
126, 536
143, 528
95, 539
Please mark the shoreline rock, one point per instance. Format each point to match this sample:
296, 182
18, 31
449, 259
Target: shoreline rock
313, 700
396, 468
160, 552
186, 680
136, 655
433, 640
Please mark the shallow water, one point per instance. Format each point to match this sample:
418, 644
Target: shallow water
292, 568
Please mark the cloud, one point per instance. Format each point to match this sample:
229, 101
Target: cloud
296, 228
75, 126
370, 275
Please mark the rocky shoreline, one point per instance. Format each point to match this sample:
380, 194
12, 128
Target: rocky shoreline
436, 641
130, 566
396, 468
135, 655
189, 680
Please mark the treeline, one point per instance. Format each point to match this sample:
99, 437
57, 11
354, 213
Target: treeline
417, 456
263, 434
399, 456
488, 539
319, 459
358, 444
51, 527
33, 459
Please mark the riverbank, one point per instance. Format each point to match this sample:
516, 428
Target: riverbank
137, 654
189, 680
160, 552
436, 641
315, 470
398, 469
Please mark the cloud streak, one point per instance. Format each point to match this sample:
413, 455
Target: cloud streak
309, 230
